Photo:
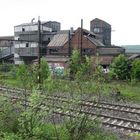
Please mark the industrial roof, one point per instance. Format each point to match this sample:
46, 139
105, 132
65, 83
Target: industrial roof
88, 32
100, 22
95, 41
31, 23
6, 37
35, 23
62, 37
59, 39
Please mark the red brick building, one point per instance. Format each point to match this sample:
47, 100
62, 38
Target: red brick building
64, 42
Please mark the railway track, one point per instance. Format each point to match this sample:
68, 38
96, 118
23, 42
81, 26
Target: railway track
124, 124
89, 104
127, 125
101, 105
121, 123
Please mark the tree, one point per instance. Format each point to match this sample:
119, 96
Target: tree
24, 75
120, 68
75, 63
135, 70
80, 66
44, 70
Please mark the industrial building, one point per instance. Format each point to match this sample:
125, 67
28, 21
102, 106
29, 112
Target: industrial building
102, 30
85, 41
31, 41
54, 25
26, 49
7, 49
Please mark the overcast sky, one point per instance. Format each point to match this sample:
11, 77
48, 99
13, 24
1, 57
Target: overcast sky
123, 15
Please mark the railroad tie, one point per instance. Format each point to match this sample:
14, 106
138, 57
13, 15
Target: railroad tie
114, 121
107, 120
127, 124
120, 123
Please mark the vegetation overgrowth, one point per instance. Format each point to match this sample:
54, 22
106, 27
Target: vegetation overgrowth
81, 79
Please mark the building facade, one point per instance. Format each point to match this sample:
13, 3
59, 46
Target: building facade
102, 30
27, 36
62, 45
54, 25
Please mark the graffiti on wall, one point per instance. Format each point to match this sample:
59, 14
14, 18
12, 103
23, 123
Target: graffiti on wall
57, 68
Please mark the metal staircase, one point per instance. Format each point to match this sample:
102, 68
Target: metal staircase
7, 54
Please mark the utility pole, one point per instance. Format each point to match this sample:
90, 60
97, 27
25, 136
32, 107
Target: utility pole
39, 46
69, 53
81, 38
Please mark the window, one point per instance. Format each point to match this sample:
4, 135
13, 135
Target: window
49, 39
27, 44
96, 30
87, 51
53, 51
23, 29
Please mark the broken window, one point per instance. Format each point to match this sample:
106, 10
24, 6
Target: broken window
87, 51
53, 51
23, 29
27, 44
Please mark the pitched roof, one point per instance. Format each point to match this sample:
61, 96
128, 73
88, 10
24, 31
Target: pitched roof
62, 37
95, 41
89, 33
100, 22
59, 39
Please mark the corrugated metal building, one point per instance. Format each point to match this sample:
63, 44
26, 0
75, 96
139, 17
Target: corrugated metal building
26, 49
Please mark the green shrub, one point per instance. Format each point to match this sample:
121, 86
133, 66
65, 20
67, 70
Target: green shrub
135, 70
6, 67
8, 116
119, 69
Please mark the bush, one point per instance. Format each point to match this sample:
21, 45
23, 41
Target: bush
119, 69
80, 66
6, 67
9, 136
8, 116
135, 70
